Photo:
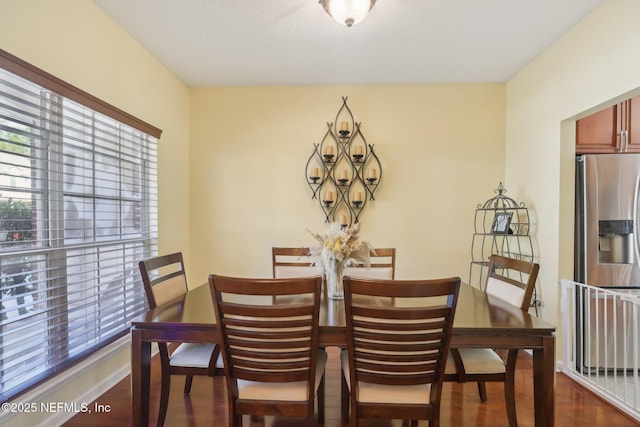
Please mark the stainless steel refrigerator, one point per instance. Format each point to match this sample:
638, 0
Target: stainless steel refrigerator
607, 254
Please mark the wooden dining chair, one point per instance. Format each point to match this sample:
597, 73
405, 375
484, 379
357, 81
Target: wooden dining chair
511, 282
292, 262
383, 266
164, 279
272, 362
396, 353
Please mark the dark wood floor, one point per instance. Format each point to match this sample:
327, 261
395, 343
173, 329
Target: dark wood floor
575, 406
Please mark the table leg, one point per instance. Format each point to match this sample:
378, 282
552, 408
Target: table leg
140, 379
544, 371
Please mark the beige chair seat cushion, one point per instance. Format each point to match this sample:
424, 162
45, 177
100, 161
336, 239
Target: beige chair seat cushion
380, 393
194, 355
477, 361
290, 392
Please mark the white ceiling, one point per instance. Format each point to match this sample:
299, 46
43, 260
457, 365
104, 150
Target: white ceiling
294, 42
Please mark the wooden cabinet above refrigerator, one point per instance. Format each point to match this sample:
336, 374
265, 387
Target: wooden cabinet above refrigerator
615, 129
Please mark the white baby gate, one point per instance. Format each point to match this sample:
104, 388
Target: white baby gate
600, 342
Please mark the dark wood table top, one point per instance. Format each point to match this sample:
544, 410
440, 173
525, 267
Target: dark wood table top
476, 314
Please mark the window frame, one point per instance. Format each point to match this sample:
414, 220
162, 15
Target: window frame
61, 89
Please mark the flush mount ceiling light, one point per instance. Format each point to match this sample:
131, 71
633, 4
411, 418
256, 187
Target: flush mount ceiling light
347, 12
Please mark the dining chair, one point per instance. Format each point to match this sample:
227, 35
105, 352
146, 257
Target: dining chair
511, 283
292, 262
396, 353
164, 279
272, 362
383, 266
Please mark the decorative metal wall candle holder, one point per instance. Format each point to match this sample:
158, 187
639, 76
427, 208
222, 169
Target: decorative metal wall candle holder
343, 171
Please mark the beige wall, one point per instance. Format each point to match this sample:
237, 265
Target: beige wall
592, 65
75, 41
441, 148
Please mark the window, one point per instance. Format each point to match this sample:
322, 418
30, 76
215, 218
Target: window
78, 209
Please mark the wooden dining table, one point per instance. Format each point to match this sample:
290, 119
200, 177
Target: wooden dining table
479, 322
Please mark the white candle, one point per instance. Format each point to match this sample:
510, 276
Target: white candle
344, 174
344, 125
329, 149
316, 172
358, 196
373, 173
328, 196
343, 220
358, 149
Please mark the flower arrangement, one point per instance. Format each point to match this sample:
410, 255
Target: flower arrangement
338, 248
342, 245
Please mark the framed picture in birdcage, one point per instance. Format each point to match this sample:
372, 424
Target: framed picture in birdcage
501, 222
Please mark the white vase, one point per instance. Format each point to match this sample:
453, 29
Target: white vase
334, 273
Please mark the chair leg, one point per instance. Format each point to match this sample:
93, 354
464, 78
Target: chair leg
187, 384
165, 385
482, 391
321, 401
344, 398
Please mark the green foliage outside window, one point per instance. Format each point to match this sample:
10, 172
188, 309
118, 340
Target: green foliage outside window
15, 224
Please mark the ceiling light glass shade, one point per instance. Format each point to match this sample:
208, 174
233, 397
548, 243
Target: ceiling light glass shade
348, 12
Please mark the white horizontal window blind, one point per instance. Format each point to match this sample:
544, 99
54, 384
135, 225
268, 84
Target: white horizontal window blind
78, 210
